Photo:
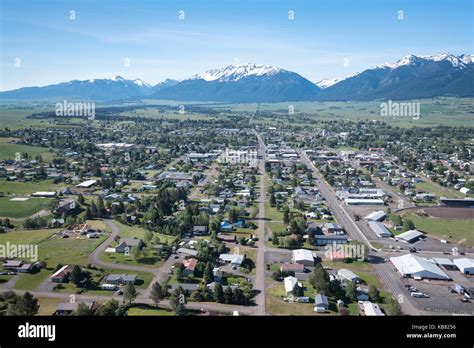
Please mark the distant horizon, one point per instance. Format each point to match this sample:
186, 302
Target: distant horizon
59, 41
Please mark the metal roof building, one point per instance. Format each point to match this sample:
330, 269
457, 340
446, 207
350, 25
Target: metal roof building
379, 229
378, 215
303, 256
371, 309
410, 236
465, 265
417, 267
364, 201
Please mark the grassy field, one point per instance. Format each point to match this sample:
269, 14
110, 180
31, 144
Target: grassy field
434, 111
458, 230
133, 231
28, 187
53, 249
143, 280
48, 305
277, 306
57, 250
21, 209
438, 190
272, 213
10, 151
26, 237
152, 259
144, 310
30, 281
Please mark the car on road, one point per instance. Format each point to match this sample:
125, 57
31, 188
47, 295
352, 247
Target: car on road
119, 292
419, 294
465, 300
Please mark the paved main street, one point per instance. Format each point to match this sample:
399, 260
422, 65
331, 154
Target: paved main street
260, 299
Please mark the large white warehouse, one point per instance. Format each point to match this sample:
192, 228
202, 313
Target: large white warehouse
417, 267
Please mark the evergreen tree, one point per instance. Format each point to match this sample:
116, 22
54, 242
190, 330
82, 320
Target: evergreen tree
83, 310
157, 293
374, 293
351, 291
129, 293
218, 293
80, 199
228, 295
208, 275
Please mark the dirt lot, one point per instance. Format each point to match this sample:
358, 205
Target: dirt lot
450, 213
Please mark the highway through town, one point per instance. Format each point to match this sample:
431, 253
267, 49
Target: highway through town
260, 299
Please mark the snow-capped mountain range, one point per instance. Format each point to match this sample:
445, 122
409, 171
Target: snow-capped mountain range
410, 77
236, 72
457, 61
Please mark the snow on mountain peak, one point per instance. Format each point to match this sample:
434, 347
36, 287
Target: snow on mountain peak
457, 62
325, 83
235, 72
141, 83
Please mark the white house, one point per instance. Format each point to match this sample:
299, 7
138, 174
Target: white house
371, 309
290, 283
303, 257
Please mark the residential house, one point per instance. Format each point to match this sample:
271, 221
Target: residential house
121, 279
321, 303
126, 244
189, 267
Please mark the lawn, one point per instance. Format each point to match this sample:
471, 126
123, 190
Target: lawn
21, 209
57, 250
48, 305
152, 259
11, 151
277, 227
458, 230
242, 232
144, 310
438, 190
53, 249
26, 237
143, 280
30, 281
133, 231
275, 304
4, 279
272, 213
28, 187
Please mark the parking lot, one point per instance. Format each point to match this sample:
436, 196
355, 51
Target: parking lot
441, 299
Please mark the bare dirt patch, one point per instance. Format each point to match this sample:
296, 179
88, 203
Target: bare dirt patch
450, 213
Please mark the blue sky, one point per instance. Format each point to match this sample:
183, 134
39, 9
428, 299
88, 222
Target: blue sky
158, 44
